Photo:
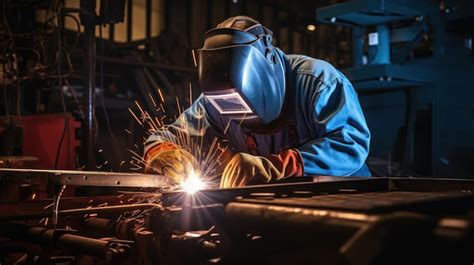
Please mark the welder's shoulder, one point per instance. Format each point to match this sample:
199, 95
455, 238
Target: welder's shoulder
321, 70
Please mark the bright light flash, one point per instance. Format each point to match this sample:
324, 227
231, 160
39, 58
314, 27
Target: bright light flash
311, 27
192, 184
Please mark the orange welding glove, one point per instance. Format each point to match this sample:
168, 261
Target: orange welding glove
172, 161
245, 169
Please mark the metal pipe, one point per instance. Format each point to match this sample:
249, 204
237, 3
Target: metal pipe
105, 226
88, 127
79, 211
381, 45
63, 240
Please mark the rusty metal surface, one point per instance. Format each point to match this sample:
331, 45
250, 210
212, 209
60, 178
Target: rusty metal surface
16, 161
82, 178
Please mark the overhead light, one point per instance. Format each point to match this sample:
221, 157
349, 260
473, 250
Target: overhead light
311, 27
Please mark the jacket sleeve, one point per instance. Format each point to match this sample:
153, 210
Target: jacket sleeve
341, 137
188, 129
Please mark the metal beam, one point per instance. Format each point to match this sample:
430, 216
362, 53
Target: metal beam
82, 178
112, 32
335, 185
88, 17
129, 19
148, 11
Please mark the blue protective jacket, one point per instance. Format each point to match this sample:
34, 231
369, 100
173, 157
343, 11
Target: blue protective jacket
322, 118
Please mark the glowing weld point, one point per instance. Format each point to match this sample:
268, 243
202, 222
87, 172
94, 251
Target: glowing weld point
192, 184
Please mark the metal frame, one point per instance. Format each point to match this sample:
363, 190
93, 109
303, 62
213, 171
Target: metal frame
320, 185
369, 12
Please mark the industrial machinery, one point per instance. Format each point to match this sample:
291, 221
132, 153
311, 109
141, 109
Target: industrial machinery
327, 220
384, 37
401, 53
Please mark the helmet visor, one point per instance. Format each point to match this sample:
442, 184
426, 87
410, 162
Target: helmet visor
229, 103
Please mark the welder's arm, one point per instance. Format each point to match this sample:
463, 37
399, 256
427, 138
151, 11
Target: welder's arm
192, 123
337, 117
167, 151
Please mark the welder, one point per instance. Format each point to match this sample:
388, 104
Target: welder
281, 115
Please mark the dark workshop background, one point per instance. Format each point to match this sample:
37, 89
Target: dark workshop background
428, 131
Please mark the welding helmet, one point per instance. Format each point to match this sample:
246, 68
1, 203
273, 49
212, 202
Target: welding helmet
240, 72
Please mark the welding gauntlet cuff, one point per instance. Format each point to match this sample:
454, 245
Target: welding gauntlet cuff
171, 161
245, 169
289, 162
